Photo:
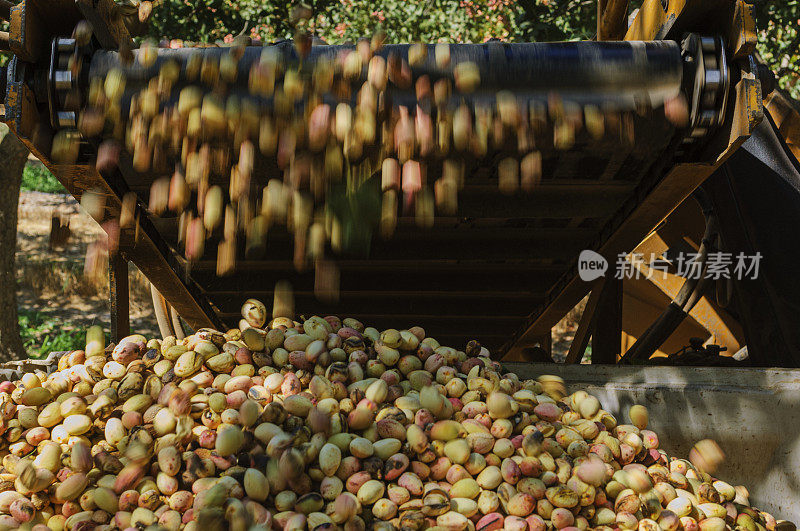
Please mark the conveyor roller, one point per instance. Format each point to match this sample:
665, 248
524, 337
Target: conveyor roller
619, 74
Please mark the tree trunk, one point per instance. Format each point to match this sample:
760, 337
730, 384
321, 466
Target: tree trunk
13, 155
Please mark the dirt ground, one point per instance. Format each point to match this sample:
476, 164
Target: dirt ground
52, 281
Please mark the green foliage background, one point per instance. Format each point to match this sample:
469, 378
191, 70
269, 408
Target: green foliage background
37, 178
42, 335
779, 40
338, 21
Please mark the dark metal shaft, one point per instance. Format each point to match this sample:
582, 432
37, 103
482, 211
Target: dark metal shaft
615, 74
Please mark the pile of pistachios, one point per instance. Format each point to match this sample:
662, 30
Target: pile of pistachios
324, 423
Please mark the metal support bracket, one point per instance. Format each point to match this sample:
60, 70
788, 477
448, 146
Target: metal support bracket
602, 320
607, 333
579, 343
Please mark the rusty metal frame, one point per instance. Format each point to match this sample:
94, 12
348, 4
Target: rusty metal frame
612, 19
664, 19
33, 25
107, 23
745, 111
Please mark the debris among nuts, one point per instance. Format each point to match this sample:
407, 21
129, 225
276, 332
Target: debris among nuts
324, 423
